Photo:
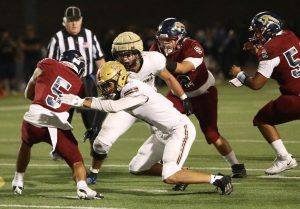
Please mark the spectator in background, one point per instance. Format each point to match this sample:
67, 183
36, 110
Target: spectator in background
7, 62
228, 53
74, 36
32, 50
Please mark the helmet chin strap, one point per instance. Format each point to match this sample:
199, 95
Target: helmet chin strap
168, 51
135, 66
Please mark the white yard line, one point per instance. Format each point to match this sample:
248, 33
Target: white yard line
278, 177
125, 166
13, 108
52, 206
196, 141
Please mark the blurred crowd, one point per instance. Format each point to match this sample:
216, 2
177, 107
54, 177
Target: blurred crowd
18, 59
19, 55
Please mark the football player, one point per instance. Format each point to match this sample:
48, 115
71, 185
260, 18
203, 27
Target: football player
278, 52
127, 48
185, 59
140, 100
46, 120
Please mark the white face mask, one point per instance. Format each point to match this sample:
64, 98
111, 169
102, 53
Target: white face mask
168, 46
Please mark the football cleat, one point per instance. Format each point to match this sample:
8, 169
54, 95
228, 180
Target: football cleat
91, 178
180, 187
238, 171
88, 194
224, 186
281, 164
17, 187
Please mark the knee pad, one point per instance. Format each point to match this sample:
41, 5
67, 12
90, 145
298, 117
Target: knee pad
97, 156
100, 147
99, 150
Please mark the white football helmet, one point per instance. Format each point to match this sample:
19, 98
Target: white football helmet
127, 48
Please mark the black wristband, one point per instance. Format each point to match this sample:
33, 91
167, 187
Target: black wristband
171, 66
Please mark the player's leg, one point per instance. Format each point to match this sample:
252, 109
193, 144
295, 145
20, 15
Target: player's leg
114, 125
145, 162
21, 165
176, 151
30, 135
205, 108
67, 148
273, 113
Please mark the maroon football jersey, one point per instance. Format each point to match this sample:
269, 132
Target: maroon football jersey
193, 79
287, 47
55, 79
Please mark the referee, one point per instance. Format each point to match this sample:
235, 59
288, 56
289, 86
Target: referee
74, 36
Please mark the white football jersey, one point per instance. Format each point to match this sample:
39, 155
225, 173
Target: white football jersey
144, 103
153, 64
157, 110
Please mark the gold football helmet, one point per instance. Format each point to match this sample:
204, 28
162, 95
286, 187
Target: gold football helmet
127, 48
111, 79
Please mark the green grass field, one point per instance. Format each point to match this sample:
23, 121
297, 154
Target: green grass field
48, 184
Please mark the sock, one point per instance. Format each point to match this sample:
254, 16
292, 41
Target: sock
279, 148
231, 159
81, 184
19, 177
94, 170
213, 178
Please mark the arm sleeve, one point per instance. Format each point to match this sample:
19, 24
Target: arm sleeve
118, 105
266, 67
195, 61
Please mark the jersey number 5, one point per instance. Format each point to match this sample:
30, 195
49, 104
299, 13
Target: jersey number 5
293, 62
53, 101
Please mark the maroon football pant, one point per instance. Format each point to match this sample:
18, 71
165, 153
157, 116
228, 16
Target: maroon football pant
67, 146
284, 109
205, 109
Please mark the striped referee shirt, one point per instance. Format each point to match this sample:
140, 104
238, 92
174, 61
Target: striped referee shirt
86, 42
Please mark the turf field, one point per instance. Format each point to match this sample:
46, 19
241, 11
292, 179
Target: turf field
48, 184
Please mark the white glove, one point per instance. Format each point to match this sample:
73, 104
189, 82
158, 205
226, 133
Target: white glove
71, 99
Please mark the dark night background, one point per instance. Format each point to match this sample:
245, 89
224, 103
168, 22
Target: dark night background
101, 15
221, 26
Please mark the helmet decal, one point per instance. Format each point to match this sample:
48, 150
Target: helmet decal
170, 30
73, 60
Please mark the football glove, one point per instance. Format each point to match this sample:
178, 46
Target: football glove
90, 134
71, 99
188, 109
